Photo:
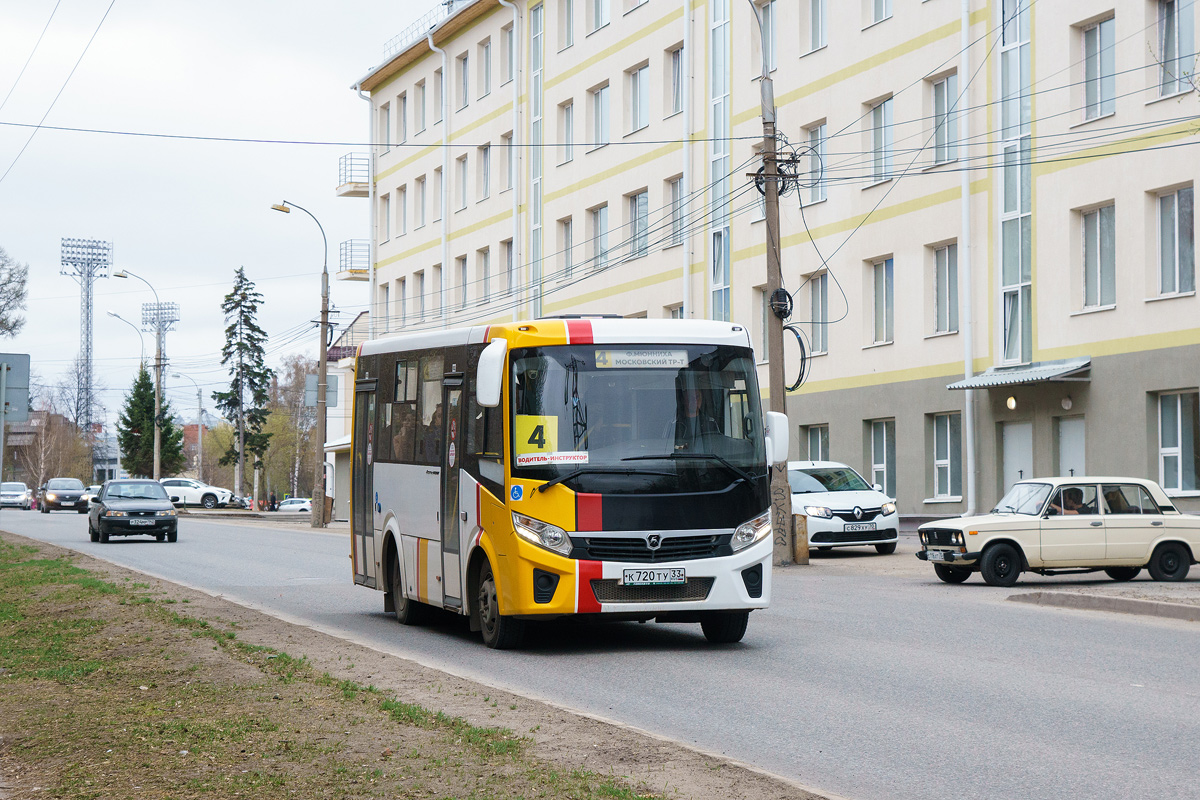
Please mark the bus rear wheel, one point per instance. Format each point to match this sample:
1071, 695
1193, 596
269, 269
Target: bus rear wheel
408, 612
725, 627
499, 632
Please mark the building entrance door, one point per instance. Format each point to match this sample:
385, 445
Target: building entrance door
1071, 446
1018, 452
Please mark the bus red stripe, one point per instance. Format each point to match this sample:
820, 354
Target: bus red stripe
579, 331
585, 600
589, 514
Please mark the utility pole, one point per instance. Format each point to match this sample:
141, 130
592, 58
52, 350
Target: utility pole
781, 493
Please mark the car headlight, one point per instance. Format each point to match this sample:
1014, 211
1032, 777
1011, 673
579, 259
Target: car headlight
116, 513
818, 511
752, 531
543, 534
51, 497
170, 513
888, 508
921, 534
956, 538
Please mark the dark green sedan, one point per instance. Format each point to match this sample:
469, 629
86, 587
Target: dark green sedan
133, 508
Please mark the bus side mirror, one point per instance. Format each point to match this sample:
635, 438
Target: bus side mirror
775, 427
490, 376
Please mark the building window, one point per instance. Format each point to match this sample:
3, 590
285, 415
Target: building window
402, 117
402, 302
464, 81
420, 287
508, 56
639, 224
884, 301
385, 306
1179, 441
419, 211
599, 237
385, 127
675, 312
675, 195
639, 98
945, 289
880, 10
677, 67
439, 285
818, 442
819, 290
1016, 221
883, 455
769, 38
438, 189
567, 132
510, 266
439, 95
816, 24
1099, 70
402, 210
1176, 53
510, 159
1176, 242
461, 263
1099, 257
764, 309
599, 16
945, 102
566, 24
484, 171
881, 141
385, 218
600, 116
484, 259
816, 163
462, 182
419, 111
720, 275
947, 455
485, 68
566, 245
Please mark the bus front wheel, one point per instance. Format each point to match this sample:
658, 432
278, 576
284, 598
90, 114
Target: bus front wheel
408, 612
725, 627
499, 632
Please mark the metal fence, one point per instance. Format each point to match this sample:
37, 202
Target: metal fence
418, 29
355, 255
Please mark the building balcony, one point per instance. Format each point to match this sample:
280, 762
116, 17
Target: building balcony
354, 260
354, 175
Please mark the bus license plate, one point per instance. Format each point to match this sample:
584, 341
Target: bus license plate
935, 555
860, 526
653, 577
141, 522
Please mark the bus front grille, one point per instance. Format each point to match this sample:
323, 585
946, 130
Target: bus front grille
673, 548
608, 590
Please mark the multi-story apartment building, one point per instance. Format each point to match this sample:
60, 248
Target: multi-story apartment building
989, 243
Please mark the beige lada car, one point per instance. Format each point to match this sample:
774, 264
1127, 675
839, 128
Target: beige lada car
1058, 526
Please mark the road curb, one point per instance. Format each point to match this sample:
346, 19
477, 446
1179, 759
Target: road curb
1120, 605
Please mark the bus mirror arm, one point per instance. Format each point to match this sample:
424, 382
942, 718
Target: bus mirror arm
777, 437
490, 376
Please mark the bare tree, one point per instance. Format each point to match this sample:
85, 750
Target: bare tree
70, 397
13, 279
57, 449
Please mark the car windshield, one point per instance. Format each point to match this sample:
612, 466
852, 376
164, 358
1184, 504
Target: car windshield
12, 487
148, 490
664, 418
63, 484
826, 479
1024, 498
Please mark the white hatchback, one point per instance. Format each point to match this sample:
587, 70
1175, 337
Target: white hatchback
843, 510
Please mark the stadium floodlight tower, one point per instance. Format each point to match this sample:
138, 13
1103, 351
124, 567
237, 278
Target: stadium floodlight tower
85, 260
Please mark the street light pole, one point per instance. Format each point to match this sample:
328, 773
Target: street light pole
318, 495
141, 340
158, 369
199, 427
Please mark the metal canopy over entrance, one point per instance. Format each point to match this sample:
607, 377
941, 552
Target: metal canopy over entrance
1064, 370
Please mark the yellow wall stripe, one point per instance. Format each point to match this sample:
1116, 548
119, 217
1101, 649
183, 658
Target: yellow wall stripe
623, 167
616, 48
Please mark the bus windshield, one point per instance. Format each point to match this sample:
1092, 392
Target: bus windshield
637, 418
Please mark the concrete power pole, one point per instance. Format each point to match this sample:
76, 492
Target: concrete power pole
85, 260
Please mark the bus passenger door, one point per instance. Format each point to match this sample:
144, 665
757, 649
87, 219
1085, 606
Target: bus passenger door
454, 436
362, 496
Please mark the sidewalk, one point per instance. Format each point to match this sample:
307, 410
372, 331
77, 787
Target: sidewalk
262, 519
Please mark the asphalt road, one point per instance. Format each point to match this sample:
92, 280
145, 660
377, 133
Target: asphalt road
858, 683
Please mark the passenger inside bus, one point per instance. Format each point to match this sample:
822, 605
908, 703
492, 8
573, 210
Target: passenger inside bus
431, 442
692, 420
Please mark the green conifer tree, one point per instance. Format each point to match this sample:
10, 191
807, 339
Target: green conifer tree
135, 431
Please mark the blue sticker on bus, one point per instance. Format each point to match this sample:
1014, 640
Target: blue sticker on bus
517, 492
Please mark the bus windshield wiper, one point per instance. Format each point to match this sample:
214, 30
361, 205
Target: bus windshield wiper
741, 473
602, 471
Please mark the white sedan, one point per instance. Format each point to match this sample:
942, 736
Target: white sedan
1059, 526
196, 493
296, 505
843, 510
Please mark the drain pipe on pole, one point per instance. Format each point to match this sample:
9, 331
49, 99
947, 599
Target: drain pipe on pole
446, 178
370, 210
964, 260
515, 156
685, 188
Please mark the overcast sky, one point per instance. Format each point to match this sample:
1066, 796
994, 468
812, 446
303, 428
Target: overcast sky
183, 214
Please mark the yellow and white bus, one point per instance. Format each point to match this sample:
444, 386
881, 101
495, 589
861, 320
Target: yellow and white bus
533, 470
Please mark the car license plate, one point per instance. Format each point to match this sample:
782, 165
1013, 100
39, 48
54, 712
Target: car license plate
653, 577
141, 522
935, 555
860, 526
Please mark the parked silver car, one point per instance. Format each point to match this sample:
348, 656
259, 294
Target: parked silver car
14, 494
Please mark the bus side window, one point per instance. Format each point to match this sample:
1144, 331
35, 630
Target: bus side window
429, 447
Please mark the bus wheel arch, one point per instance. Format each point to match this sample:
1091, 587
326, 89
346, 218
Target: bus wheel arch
474, 567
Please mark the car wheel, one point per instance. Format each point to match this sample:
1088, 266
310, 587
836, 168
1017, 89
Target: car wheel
408, 611
93, 534
83, 511
724, 627
885, 549
1122, 573
208, 501
161, 537
499, 632
1000, 565
103, 536
1170, 562
173, 536
951, 574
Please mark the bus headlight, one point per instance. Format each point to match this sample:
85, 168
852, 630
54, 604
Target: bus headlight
818, 511
752, 531
543, 534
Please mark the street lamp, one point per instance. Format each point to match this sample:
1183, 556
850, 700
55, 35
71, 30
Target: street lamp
199, 427
158, 367
318, 498
141, 339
